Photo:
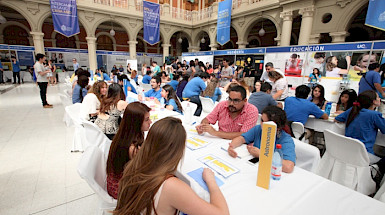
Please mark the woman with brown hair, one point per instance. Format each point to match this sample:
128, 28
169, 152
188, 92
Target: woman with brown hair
170, 100
91, 103
126, 143
110, 110
212, 91
280, 86
148, 185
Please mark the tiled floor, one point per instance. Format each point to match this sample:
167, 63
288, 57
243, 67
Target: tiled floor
37, 170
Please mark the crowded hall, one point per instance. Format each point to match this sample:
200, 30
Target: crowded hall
192, 107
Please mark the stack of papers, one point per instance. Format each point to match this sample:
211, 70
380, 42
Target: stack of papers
196, 142
218, 165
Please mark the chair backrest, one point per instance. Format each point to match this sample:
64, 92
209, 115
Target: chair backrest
94, 135
259, 119
207, 104
73, 112
68, 93
146, 87
308, 156
65, 100
131, 97
193, 107
380, 195
298, 129
92, 168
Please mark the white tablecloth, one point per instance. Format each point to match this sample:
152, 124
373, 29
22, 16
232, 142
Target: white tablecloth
297, 193
320, 125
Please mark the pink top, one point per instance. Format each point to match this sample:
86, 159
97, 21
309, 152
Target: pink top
241, 123
113, 184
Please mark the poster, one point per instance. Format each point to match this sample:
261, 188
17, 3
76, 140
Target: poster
151, 30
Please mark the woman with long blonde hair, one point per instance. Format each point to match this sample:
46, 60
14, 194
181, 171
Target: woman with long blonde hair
148, 185
212, 91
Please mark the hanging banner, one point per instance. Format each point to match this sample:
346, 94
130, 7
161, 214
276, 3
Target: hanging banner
151, 32
224, 22
65, 17
375, 17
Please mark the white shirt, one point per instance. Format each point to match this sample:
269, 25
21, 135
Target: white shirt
90, 105
280, 84
334, 73
39, 67
265, 76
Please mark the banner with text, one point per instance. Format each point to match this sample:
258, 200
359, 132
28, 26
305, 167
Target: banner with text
65, 17
375, 17
224, 22
151, 32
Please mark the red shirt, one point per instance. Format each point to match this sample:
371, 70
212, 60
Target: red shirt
246, 120
113, 184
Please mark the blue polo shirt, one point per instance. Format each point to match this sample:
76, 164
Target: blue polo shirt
371, 77
298, 110
156, 70
146, 79
76, 98
105, 76
153, 93
16, 67
132, 87
364, 127
174, 84
1, 65
172, 102
194, 87
288, 148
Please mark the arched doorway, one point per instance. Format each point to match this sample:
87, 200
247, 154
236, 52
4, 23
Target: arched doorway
359, 31
104, 42
15, 35
255, 40
16, 30
179, 43
107, 40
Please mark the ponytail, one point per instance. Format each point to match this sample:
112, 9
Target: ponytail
353, 113
364, 100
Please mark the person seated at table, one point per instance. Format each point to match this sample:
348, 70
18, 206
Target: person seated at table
194, 88
174, 82
263, 98
126, 143
253, 138
164, 77
154, 92
80, 90
121, 79
91, 103
298, 108
111, 109
212, 90
134, 76
170, 100
103, 74
234, 116
147, 78
345, 101
149, 184
318, 96
257, 86
362, 121
279, 84
79, 72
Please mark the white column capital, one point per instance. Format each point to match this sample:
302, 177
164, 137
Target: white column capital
339, 37
132, 42
314, 38
193, 49
37, 34
286, 15
214, 46
166, 45
91, 39
242, 44
307, 11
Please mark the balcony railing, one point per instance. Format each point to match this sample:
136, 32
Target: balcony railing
178, 13
205, 13
113, 3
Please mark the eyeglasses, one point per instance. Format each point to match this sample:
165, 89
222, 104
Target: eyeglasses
235, 101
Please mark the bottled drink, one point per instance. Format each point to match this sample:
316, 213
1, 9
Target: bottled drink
328, 108
188, 113
162, 104
333, 108
276, 167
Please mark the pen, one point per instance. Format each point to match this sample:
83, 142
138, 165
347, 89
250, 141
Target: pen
193, 123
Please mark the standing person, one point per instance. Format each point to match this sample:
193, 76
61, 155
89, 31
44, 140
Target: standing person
15, 70
249, 76
149, 186
280, 86
128, 68
126, 143
227, 73
1, 72
371, 80
143, 70
270, 67
156, 68
52, 67
75, 64
194, 88
41, 78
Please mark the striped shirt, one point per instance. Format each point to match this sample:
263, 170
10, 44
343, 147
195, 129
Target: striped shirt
246, 120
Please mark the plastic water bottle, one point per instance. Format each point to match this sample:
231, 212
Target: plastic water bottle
276, 167
162, 104
334, 108
328, 108
188, 113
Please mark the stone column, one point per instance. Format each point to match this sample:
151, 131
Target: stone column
193, 49
306, 25
314, 39
132, 45
38, 42
91, 44
166, 51
214, 46
242, 44
287, 17
339, 37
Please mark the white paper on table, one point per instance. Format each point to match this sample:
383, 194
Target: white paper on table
220, 166
241, 150
196, 142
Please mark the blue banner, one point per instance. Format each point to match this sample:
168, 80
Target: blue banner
379, 45
25, 58
320, 48
65, 17
197, 53
224, 22
375, 17
240, 51
151, 32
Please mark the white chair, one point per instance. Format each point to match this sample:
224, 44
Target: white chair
96, 137
66, 101
207, 106
193, 108
259, 119
380, 195
68, 93
298, 129
92, 168
308, 156
131, 97
79, 141
346, 162
146, 87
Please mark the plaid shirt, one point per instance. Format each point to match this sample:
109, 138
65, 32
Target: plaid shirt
246, 120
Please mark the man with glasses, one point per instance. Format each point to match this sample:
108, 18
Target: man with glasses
234, 116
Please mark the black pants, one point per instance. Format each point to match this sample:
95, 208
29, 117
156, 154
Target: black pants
1, 76
16, 74
43, 92
196, 100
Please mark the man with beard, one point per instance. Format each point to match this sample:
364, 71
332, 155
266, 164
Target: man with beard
235, 116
